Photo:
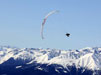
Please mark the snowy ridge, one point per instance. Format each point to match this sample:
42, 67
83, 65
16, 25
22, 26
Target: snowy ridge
87, 57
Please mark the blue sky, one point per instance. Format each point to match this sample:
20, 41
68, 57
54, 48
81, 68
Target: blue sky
20, 23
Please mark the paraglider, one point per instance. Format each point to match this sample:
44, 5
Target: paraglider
67, 34
43, 23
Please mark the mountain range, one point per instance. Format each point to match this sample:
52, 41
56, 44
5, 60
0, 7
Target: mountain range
36, 61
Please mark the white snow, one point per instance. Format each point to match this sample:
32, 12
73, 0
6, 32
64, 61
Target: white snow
18, 67
87, 61
87, 57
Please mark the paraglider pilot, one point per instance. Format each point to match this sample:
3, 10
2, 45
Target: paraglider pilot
67, 34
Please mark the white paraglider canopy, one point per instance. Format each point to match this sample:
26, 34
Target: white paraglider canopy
43, 23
